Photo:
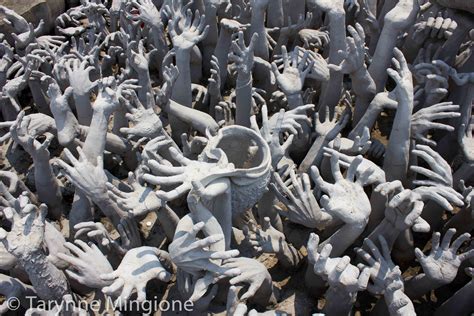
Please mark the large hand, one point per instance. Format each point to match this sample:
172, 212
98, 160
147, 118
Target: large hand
241, 55
422, 121
466, 139
401, 74
367, 172
140, 201
189, 171
145, 121
85, 176
403, 208
439, 180
442, 264
79, 76
87, 264
301, 203
380, 265
253, 273
19, 133
139, 266
27, 233
193, 256
194, 31
292, 79
355, 54
346, 198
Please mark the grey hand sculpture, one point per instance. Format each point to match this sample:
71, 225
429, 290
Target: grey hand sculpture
86, 264
441, 265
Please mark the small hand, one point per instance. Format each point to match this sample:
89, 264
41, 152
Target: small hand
267, 239
95, 231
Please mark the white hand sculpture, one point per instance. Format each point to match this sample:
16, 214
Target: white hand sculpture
301, 203
403, 208
87, 264
189, 171
438, 185
191, 255
94, 231
145, 121
292, 79
442, 264
422, 121
367, 172
138, 267
267, 239
253, 273
194, 30
140, 201
84, 175
466, 139
380, 265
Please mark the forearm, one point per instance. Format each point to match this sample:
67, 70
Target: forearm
243, 100
113, 143
47, 187
109, 208
382, 56
387, 231
94, 145
168, 220
294, 100
332, 89
343, 238
297, 8
257, 25
182, 92
83, 108
339, 302
461, 303
275, 17
266, 209
420, 285
397, 153
282, 41
38, 97
367, 120
392, 300
364, 89
314, 155
197, 119
145, 87
49, 282
222, 52
210, 41
289, 256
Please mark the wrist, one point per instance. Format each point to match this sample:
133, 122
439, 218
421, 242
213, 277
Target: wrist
336, 13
